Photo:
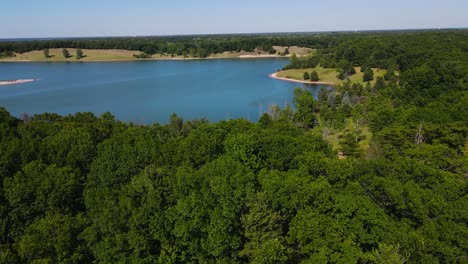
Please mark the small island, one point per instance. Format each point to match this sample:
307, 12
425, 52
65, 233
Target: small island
19, 81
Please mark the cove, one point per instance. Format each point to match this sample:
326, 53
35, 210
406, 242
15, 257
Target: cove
149, 91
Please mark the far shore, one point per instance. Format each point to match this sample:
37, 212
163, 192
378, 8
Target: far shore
11, 82
117, 55
168, 58
275, 76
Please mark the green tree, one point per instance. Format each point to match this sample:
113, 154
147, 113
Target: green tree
305, 108
46, 53
314, 76
306, 76
391, 73
38, 189
380, 83
54, 239
350, 146
242, 147
345, 69
66, 53
119, 159
263, 230
79, 54
70, 146
388, 255
368, 75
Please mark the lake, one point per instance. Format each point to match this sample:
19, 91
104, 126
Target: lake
149, 91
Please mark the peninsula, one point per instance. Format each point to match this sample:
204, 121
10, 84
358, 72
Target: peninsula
327, 76
275, 76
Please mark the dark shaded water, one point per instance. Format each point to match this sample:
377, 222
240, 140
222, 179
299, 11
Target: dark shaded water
148, 91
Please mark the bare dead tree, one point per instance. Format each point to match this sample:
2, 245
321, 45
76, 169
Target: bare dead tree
419, 138
357, 123
273, 111
25, 117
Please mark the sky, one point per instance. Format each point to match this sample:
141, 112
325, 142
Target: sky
88, 18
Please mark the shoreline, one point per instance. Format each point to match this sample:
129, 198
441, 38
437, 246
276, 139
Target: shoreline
265, 56
19, 81
275, 76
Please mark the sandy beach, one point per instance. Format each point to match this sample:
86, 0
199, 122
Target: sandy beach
11, 82
275, 76
262, 56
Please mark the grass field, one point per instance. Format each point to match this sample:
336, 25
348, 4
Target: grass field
329, 75
90, 55
115, 55
334, 137
299, 51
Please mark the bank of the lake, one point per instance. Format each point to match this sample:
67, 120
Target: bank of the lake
149, 91
275, 76
106, 55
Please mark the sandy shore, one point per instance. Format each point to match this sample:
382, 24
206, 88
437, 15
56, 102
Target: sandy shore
10, 82
275, 76
262, 56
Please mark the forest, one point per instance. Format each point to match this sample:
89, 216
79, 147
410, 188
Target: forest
92, 189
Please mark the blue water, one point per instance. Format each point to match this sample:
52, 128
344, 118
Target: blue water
149, 91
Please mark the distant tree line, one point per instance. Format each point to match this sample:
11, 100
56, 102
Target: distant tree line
201, 46
377, 49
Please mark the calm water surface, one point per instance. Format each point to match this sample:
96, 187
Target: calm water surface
148, 91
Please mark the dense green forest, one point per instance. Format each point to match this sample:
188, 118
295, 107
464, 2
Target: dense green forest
85, 188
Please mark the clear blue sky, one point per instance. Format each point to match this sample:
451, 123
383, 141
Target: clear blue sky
65, 18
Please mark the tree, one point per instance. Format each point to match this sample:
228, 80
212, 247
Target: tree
349, 145
242, 148
65, 53
379, 83
305, 108
390, 74
262, 229
79, 54
53, 239
345, 69
314, 76
46, 53
368, 75
306, 76
294, 61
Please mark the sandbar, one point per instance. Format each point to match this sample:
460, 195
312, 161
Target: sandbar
11, 82
275, 76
